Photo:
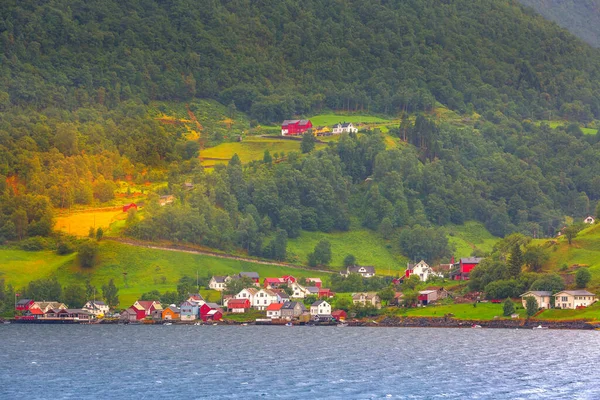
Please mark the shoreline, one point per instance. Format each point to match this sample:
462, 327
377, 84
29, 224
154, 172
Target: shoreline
387, 322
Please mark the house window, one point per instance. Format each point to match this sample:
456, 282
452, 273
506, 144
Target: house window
563, 298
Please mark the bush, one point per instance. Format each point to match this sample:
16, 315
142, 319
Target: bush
35, 243
64, 248
582, 277
88, 251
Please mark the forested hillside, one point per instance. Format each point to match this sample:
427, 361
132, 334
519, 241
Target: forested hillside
276, 59
84, 85
581, 17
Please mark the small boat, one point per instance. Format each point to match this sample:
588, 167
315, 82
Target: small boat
215, 324
168, 323
197, 324
289, 324
540, 327
244, 324
342, 325
475, 326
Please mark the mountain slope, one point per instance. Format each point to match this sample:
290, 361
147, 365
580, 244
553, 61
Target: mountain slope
276, 59
580, 17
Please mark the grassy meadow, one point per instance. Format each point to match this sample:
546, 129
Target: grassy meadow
79, 223
483, 311
468, 237
147, 269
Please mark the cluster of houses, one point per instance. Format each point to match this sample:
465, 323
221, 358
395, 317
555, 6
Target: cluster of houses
192, 309
565, 299
294, 127
48, 311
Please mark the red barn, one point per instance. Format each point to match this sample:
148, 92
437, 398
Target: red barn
295, 126
324, 292
465, 266
212, 315
339, 315
315, 281
238, 305
128, 206
273, 283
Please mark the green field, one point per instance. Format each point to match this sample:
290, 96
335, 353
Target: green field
468, 237
147, 269
591, 313
365, 245
556, 124
250, 149
483, 311
332, 119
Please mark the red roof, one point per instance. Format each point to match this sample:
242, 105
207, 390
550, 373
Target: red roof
274, 306
146, 303
238, 303
36, 311
338, 313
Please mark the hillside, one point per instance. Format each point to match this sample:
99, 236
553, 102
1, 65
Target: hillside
276, 59
580, 17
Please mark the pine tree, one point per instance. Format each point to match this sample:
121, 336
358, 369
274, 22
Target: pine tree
516, 261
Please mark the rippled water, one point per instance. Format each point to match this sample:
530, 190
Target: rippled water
194, 362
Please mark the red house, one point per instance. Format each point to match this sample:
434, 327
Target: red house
238, 305
273, 283
144, 308
24, 304
289, 279
465, 266
315, 281
291, 127
212, 315
325, 293
339, 315
128, 206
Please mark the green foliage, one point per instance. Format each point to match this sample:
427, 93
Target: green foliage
531, 305
508, 307
99, 233
74, 296
64, 248
503, 289
429, 244
515, 262
234, 286
551, 282
386, 294
321, 255
582, 277
349, 260
110, 294
535, 257
411, 282
43, 290
87, 253
308, 142
571, 232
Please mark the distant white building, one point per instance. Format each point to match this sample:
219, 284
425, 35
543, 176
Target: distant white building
422, 270
574, 298
320, 308
589, 220
346, 127
96, 307
218, 283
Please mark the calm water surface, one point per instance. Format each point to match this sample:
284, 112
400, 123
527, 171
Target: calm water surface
198, 362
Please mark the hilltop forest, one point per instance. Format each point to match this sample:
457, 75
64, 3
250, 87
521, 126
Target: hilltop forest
77, 80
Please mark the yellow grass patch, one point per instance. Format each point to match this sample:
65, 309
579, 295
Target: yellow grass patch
79, 223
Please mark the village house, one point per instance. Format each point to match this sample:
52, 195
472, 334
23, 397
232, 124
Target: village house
292, 309
464, 267
273, 283
299, 291
212, 315
431, 295
45, 306
322, 131
170, 313
96, 307
345, 127
325, 293
315, 282
189, 310
282, 296
238, 305
187, 185
589, 220
144, 308
164, 200
573, 299
542, 298
24, 304
274, 310
320, 308
420, 269
252, 275
128, 315
218, 283
339, 315
247, 293
366, 299
263, 298
129, 206
68, 314
291, 127
365, 271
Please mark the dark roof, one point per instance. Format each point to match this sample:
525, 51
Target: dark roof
219, 279
24, 301
290, 121
346, 124
253, 275
312, 289
213, 305
576, 292
316, 303
356, 269
538, 293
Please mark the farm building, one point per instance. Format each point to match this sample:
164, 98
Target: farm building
291, 127
129, 206
345, 127
464, 268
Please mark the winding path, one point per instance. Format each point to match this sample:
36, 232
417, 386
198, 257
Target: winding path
181, 249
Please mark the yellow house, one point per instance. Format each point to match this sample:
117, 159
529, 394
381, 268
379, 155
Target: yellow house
322, 131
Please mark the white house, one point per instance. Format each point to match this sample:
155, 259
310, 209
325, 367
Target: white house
319, 308
96, 307
263, 298
365, 271
218, 283
422, 270
574, 298
299, 291
274, 310
542, 297
247, 293
344, 127
589, 220
366, 298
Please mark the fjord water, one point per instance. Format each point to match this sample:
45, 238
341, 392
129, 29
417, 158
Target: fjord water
196, 362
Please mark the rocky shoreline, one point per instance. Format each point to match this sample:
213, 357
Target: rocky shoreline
429, 322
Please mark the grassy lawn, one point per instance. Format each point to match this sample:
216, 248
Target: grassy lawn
472, 235
250, 316
483, 311
556, 124
147, 269
79, 223
249, 150
591, 313
332, 119
365, 245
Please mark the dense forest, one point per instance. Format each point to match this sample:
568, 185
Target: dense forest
580, 17
276, 59
77, 79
